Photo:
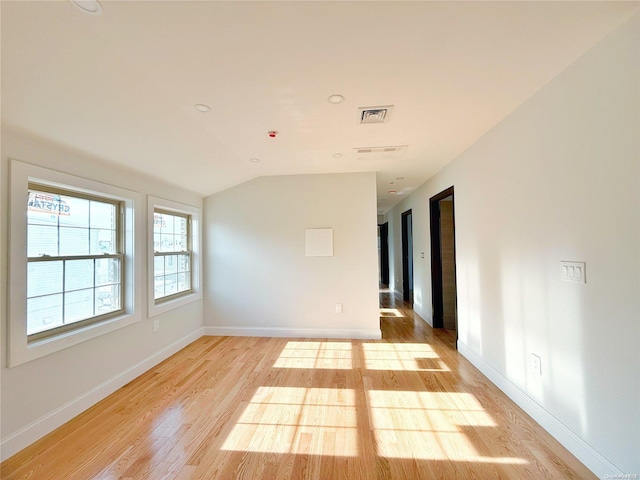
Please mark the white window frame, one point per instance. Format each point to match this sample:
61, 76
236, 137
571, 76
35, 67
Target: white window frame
171, 302
20, 349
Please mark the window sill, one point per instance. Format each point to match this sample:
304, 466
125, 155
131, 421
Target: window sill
22, 352
162, 306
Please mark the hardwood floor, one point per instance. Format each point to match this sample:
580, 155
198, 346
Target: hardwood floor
405, 407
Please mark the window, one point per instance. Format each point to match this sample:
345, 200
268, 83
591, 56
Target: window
172, 254
74, 254
73, 262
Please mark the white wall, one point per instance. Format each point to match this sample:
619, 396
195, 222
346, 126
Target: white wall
558, 179
42, 394
257, 278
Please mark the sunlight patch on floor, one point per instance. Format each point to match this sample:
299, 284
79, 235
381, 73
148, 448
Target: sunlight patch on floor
402, 356
391, 312
314, 421
430, 426
329, 355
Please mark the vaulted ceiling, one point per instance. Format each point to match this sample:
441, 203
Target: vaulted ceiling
122, 85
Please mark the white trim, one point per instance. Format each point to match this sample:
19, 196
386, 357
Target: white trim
44, 425
584, 452
154, 308
292, 333
19, 349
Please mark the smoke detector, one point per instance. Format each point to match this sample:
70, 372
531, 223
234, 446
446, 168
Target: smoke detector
374, 114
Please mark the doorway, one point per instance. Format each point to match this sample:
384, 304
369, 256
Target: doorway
383, 253
407, 257
443, 260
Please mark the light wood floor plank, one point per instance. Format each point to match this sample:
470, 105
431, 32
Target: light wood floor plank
405, 407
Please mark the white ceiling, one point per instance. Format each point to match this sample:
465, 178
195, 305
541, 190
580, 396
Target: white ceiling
122, 85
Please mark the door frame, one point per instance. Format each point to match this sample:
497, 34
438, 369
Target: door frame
436, 256
406, 288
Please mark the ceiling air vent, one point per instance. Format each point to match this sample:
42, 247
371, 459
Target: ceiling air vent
374, 114
380, 153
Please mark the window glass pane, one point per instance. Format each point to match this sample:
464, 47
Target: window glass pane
181, 242
107, 299
74, 241
183, 263
184, 281
107, 271
44, 313
78, 212
170, 264
102, 241
162, 223
170, 284
180, 226
156, 242
158, 222
158, 287
158, 266
167, 243
103, 215
42, 240
170, 224
78, 305
78, 274
44, 278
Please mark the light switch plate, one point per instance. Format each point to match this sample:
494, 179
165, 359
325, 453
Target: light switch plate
573, 272
536, 364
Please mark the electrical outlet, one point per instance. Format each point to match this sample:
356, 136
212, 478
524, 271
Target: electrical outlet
536, 364
338, 308
156, 325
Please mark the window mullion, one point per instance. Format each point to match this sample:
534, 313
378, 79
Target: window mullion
93, 273
64, 289
89, 229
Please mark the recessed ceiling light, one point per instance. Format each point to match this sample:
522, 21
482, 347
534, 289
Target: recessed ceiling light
254, 160
399, 178
392, 191
201, 107
390, 183
337, 155
90, 7
335, 98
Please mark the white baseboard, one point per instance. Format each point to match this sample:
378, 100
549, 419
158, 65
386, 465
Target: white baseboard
44, 425
584, 452
292, 333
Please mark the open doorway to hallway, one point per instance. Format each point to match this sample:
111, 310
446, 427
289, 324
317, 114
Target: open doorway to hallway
443, 260
383, 255
407, 257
